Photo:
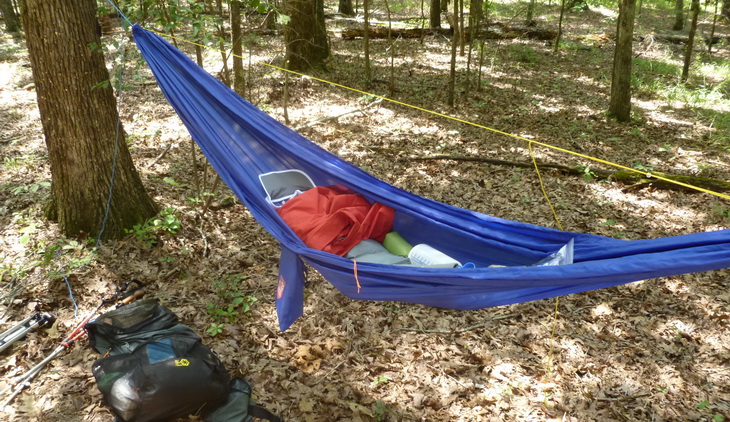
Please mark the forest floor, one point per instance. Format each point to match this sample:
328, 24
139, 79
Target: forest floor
655, 350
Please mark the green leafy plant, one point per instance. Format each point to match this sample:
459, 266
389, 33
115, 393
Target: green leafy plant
381, 410
643, 167
722, 212
588, 175
379, 380
33, 187
215, 329
147, 233
230, 303
707, 407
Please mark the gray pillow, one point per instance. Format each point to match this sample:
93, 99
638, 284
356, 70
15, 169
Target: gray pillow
372, 251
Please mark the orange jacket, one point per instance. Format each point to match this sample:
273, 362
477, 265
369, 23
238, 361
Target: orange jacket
335, 218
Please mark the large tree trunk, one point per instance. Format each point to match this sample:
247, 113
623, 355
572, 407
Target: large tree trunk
620, 105
345, 7
7, 11
691, 41
678, 15
80, 121
434, 19
305, 35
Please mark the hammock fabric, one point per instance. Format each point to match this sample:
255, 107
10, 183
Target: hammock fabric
242, 142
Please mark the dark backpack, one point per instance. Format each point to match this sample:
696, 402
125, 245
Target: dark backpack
155, 369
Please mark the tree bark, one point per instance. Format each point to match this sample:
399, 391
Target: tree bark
726, 8
560, 26
530, 13
678, 15
691, 42
7, 11
454, 41
80, 121
239, 83
712, 31
435, 14
366, 40
305, 35
620, 103
345, 7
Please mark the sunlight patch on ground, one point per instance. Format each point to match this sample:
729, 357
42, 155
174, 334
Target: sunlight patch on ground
606, 12
655, 204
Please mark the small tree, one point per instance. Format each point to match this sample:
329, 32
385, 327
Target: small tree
620, 103
7, 11
678, 15
237, 49
454, 42
691, 41
530, 13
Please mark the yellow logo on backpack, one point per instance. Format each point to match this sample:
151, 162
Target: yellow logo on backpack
182, 362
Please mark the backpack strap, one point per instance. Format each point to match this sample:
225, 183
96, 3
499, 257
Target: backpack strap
261, 413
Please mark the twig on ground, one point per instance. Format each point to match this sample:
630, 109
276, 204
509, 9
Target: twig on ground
460, 330
159, 157
329, 118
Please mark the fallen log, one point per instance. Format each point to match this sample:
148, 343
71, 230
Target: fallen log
676, 38
380, 32
627, 177
502, 32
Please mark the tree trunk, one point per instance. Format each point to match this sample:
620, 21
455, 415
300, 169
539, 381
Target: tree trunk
620, 103
7, 11
305, 35
714, 25
530, 13
80, 121
366, 40
690, 43
726, 8
239, 83
391, 47
345, 7
435, 14
454, 41
560, 26
678, 15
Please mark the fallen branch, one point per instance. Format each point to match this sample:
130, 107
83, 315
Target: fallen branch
633, 179
330, 118
493, 31
460, 330
624, 398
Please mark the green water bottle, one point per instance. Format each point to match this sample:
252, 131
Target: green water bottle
396, 245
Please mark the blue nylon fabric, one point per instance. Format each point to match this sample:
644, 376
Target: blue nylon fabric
241, 142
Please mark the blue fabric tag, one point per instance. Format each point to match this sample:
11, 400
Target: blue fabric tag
161, 350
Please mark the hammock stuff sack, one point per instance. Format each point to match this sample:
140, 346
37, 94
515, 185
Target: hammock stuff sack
242, 142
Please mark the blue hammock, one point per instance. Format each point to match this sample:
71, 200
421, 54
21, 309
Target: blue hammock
241, 142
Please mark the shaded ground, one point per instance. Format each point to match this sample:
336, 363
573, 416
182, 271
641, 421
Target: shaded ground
652, 350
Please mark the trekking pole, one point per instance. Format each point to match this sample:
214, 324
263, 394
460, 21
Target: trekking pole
17, 332
17, 385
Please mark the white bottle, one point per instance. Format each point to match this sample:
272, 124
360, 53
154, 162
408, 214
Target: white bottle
426, 256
